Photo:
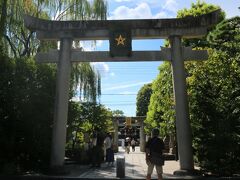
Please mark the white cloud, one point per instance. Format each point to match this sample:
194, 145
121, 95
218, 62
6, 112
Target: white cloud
102, 67
99, 43
128, 92
142, 11
171, 5
75, 99
91, 45
125, 86
123, 0
160, 15
112, 74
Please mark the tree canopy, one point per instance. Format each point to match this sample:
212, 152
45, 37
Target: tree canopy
117, 113
213, 90
161, 108
27, 89
17, 41
143, 99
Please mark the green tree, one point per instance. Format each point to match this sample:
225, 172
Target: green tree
161, 108
85, 118
214, 92
86, 80
27, 90
213, 88
227, 33
143, 99
20, 42
197, 9
17, 40
117, 113
26, 111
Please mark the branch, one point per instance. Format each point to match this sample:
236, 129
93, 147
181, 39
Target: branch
58, 9
13, 48
62, 13
27, 46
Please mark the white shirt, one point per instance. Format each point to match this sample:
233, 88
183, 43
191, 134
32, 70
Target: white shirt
108, 142
133, 142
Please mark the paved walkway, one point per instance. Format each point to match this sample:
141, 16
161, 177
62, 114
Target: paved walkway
135, 168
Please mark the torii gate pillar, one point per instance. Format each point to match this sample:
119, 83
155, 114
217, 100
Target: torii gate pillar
115, 137
142, 137
184, 135
61, 104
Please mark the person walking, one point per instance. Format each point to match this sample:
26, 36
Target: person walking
133, 143
127, 145
154, 154
109, 150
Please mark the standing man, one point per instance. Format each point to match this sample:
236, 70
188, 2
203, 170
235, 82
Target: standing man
109, 150
154, 155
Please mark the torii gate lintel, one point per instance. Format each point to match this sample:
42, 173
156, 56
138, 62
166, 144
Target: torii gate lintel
98, 56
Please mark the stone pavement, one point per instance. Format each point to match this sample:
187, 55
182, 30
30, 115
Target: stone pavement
135, 168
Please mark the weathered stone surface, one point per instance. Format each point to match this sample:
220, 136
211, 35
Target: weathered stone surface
61, 104
50, 57
115, 137
205, 20
99, 29
184, 135
189, 54
142, 137
100, 56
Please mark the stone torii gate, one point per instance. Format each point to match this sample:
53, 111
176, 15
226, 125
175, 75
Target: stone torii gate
140, 122
172, 29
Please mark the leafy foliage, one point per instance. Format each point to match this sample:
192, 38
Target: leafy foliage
213, 88
214, 92
20, 42
117, 113
27, 90
143, 99
26, 112
197, 9
161, 108
86, 81
227, 33
86, 118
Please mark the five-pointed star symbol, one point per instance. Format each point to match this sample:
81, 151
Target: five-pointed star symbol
120, 40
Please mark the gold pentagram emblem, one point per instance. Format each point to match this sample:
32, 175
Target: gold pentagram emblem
120, 40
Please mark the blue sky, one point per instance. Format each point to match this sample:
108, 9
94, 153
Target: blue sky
122, 81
